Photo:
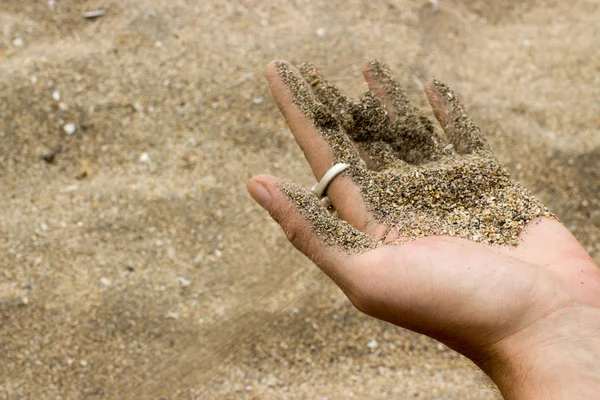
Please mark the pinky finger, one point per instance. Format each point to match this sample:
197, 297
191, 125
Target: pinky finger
462, 132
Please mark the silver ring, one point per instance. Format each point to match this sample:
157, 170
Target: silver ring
321, 187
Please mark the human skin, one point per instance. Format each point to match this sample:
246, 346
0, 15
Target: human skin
528, 316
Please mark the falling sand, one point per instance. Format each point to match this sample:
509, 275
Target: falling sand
415, 181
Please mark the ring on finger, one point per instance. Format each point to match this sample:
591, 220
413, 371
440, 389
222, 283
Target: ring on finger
321, 187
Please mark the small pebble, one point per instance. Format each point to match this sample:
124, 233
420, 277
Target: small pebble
145, 158
93, 14
171, 252
105, 281
173, 314
183, 282
69, 128
199, 258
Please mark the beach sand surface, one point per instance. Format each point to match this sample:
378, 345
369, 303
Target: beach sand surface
133, 264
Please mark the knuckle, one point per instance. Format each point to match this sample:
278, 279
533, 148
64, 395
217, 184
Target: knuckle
284, 216
286, 107
311, 247
295, 230
279, 214
291, 234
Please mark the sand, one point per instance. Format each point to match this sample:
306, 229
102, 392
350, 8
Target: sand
425, 183
156, 275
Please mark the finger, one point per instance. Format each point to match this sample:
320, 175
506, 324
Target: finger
327, 240
366, 122
462, 132
381, 82
330, 95
316, 131
411, 132
379, 156
321, 139
371, 120
375, 136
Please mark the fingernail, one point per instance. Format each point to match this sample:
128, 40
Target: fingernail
260, 194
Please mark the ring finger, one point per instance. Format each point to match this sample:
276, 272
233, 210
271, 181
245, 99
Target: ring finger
322, 140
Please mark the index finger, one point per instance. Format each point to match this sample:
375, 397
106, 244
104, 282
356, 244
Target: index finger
315, 129
321, 138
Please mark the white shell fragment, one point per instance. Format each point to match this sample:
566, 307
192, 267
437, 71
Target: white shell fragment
69, 128
183, 282
93, 14
145, 157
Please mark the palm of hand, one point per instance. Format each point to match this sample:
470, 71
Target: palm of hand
412, 183
472, 295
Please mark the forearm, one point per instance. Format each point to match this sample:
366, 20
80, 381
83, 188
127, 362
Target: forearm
561, 363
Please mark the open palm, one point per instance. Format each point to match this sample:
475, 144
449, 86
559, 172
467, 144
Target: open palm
462, 254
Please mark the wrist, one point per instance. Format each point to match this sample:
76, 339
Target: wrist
558, 357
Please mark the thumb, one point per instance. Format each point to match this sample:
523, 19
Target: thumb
327, 240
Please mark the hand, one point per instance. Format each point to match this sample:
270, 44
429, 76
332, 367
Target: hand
431, 234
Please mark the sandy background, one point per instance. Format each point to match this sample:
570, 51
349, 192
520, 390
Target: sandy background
132, 262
